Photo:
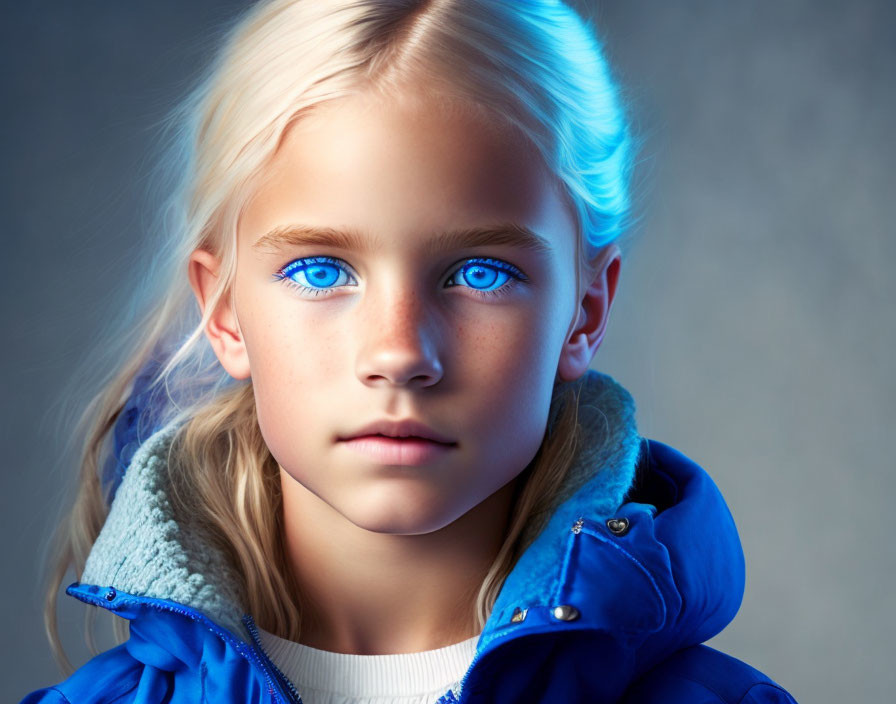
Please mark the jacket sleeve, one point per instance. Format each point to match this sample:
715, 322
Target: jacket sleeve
702, 675
47, 695
108, 678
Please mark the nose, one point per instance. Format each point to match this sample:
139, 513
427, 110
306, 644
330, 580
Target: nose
398, 341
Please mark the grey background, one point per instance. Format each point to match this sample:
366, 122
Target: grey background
753, 322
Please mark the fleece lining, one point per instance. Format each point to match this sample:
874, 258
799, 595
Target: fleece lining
144, 550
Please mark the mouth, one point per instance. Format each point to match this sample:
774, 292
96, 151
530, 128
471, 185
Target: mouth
408, 438
405, 429
387, 450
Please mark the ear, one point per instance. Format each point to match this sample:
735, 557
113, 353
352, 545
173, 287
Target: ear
223, 328
592, 315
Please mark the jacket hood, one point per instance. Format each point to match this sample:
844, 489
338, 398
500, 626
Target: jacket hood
638, 557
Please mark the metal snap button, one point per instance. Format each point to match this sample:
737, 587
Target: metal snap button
565, 612
519, 615
618, 526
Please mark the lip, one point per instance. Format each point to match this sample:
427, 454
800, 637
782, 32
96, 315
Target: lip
405, 428
398, 451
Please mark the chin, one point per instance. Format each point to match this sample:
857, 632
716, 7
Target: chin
400, 517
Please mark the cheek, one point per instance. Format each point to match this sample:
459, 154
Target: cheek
509, 369
292, 373
287, 341
514, 347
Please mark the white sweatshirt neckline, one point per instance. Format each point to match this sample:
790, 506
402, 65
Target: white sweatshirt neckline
387, 677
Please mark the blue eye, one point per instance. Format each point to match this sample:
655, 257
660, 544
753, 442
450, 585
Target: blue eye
321, 274
487, 273
318, 271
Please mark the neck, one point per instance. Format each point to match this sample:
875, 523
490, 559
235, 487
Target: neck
371, 593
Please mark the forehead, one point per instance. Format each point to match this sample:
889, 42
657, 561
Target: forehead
410, 168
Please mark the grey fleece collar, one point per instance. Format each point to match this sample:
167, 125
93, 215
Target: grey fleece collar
142, 550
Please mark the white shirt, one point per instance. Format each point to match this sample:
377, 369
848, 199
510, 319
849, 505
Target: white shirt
325, 677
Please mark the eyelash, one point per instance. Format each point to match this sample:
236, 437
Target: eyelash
283, 275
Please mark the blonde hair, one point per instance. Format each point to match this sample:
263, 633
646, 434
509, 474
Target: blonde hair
536, 68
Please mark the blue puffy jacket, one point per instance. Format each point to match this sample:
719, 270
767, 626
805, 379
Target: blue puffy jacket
637, 565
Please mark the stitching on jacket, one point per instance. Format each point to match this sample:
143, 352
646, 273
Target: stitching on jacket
637, 562
564, 569
203, 674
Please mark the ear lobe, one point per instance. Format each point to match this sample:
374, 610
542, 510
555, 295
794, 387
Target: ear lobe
222, 328
591, 318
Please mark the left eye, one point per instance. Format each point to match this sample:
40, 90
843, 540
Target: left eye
486, 277
487, 273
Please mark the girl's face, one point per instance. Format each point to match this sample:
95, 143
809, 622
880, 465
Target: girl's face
403, 317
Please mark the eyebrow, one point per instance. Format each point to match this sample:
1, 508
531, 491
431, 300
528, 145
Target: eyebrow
509, 233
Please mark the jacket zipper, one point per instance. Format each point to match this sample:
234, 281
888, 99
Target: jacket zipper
463, 680
239, 645
253, 631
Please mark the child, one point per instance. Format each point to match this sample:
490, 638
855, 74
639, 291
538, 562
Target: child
397, 480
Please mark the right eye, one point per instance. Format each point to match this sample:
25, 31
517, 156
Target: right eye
321, 273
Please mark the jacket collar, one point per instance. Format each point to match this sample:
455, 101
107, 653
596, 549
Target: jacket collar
664, 571
675, 577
